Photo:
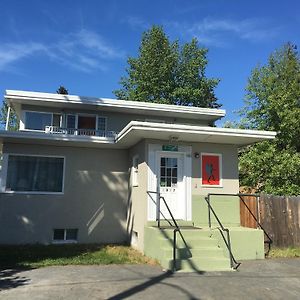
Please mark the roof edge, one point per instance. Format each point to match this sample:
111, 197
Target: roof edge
74, 99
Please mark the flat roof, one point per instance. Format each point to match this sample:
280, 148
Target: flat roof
174, 133
16, 98
137, 130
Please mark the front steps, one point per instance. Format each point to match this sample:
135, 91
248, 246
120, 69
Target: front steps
204, 252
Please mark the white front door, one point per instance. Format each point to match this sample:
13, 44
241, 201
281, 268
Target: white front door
171, 184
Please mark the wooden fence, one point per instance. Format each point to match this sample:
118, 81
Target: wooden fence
279, 215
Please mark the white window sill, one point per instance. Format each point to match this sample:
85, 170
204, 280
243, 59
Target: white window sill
59, 242
211, 186
32, 193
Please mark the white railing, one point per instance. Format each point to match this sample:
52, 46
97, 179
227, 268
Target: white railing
85, 132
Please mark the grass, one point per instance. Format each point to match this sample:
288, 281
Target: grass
289, 252
35, 256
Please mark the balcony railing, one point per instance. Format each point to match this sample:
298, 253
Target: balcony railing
84, 132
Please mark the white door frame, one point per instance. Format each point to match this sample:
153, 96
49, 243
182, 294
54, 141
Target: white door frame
186, 151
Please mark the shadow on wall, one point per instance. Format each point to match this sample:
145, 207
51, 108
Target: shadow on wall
95, 202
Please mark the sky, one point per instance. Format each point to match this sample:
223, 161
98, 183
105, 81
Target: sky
84, 45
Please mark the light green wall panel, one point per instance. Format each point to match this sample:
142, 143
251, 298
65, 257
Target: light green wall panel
227, 209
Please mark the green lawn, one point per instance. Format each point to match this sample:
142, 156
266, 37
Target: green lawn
34, 256
285, 252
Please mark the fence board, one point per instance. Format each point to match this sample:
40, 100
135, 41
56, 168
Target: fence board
279, 215
280, 218
246, 219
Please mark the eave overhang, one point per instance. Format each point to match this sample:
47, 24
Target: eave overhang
17, 98
136, 131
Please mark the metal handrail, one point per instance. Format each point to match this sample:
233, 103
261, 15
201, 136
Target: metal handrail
176, 229
240, 195
234, 264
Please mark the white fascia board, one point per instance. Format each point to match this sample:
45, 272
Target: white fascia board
13, 96
211, 131
28, 135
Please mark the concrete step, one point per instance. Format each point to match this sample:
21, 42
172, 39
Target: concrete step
202, 251
182, 253
164, 223
192, 242
197, 264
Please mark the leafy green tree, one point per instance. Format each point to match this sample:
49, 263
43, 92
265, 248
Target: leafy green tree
62, 90
13, 123
166, 73
192, 87
273, 103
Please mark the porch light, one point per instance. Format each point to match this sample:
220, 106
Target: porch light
196, 155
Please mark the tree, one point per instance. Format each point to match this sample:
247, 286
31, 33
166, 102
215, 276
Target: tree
62, 90
192, 87
273, 103
13, 122
166, 73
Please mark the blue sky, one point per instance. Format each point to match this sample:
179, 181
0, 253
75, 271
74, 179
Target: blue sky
84, 45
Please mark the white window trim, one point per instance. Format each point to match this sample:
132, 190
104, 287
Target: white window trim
103, 117
135, 171
87, 115
64, 241
23, 124
4, 169
221, 170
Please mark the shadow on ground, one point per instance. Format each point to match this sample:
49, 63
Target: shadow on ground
11, 278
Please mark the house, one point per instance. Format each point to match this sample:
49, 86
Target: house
89, 170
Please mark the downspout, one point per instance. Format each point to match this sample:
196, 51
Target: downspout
7, 118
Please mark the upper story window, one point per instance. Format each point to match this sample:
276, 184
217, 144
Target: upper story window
89, 122
39, 120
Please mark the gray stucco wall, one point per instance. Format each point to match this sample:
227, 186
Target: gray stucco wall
137, 208
94, 200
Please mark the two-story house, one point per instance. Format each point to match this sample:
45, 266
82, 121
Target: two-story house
80, 170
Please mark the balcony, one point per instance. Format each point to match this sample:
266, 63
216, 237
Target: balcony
82, 132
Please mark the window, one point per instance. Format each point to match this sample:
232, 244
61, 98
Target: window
65, 235
135, 170
101, 123
87, 123
168, 172
71, 121
35, 174
39, 120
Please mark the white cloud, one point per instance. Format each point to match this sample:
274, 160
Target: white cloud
83, 50
217, 32
10, 53
136, 22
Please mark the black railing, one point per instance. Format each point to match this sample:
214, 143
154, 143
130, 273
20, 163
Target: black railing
258, 224
175, 224
233, 263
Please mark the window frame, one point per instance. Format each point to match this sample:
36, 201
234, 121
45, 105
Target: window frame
23, 127
87, 115
4, 170
64, 241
